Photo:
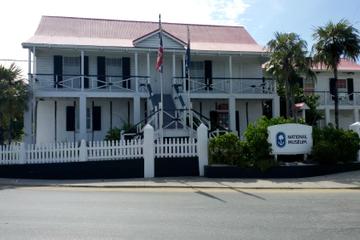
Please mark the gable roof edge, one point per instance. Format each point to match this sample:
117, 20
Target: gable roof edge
152, 33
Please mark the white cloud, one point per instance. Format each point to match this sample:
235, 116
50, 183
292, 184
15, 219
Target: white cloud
20, 18
228, 11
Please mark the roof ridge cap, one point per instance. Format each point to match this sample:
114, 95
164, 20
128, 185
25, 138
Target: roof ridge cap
142, 21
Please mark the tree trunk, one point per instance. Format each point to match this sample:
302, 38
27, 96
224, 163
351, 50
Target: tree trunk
336, 100
294, 112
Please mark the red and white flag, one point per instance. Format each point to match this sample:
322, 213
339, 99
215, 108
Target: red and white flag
160, 56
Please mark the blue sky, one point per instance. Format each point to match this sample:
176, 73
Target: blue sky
260, 17
263, 17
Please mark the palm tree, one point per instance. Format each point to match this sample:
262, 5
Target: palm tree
288, 62
333, 42
13, 101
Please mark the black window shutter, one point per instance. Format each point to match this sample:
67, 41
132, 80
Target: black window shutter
332, 87
101, 71
208, 74
96, 118
350, 87
70, 118
86, 71
58, 71
126, 72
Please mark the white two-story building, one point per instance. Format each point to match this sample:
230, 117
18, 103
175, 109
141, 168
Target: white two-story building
91, 75
348, 85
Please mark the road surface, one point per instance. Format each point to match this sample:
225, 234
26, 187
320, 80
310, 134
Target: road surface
93, 213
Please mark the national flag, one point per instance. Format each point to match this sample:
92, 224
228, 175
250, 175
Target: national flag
160, 56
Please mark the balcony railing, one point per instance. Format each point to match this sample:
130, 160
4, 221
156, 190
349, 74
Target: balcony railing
345, 98
108, 83
227, 85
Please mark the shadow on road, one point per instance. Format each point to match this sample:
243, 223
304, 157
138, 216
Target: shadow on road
210, 196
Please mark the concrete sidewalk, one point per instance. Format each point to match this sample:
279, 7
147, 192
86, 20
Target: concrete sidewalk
348, 180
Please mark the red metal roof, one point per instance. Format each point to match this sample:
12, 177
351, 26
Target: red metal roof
345, 65
121, 33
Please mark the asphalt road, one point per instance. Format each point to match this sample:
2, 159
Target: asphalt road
74, 213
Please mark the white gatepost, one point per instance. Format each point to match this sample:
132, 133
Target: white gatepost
148, 152
356, 128
83, 151
202, 147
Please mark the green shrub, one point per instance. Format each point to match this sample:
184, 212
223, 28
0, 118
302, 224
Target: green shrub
253, 152
333, 145
113, 134
256, 136
226, 149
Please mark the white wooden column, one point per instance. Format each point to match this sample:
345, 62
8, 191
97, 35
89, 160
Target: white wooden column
82, 117
29, 63
136, 109
230, 73
356, 115
174, 67
82, 70
327, 116
148, 64
34, 104
34, 61
232, 113
136, 72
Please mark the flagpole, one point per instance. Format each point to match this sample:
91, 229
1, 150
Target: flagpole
161, 87
188, 92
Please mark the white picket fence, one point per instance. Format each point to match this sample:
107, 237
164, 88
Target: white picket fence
115, 150
173, 147
94, 151
70, 152
148, 148
10, 154
52, 153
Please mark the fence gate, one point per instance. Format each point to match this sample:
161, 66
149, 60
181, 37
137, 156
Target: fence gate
176, 157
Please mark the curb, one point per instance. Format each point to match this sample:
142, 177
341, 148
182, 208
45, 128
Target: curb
174, 187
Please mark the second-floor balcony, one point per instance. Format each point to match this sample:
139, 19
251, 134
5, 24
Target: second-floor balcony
345, 98
227, 85
108, 83
139, 84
